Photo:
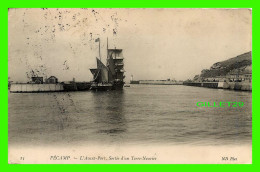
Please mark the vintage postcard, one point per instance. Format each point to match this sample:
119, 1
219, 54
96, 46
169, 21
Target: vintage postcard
129, 86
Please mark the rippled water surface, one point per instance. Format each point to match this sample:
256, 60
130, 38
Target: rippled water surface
140, 114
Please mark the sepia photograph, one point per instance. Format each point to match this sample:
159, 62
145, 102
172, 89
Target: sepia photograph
129, 86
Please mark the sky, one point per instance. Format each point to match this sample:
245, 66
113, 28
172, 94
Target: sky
157, 43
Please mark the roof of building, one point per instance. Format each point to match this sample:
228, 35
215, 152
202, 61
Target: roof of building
52, 77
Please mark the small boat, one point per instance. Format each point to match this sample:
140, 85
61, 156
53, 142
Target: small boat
126, 85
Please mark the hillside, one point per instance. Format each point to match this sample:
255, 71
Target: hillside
224, 67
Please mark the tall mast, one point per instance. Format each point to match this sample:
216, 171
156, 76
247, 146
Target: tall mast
99, 49
107, 47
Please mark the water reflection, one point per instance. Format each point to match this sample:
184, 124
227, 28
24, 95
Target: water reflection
156, 114
109, 113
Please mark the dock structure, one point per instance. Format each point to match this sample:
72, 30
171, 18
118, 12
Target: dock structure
243, 86
35, 88
36, 85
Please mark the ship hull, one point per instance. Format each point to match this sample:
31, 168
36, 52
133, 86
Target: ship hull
76, 86
106, 87
118, 85
101, 87
83, 86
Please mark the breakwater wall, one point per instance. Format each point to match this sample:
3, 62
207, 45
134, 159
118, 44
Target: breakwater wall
156, 82
243, 86
30, 88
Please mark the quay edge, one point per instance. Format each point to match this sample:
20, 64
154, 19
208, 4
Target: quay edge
242, 86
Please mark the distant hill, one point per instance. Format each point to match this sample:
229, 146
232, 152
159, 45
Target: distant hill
227, 66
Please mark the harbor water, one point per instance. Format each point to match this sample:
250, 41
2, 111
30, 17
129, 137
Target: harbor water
138, 115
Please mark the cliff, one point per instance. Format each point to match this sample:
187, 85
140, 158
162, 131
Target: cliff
224, 67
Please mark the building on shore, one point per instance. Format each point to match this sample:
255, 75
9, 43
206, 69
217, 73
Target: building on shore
241, 75
52, 80
37, 80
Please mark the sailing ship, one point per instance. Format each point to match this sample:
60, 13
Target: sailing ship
110, 76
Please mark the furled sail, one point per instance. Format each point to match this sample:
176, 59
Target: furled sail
111, 65
115, 53
115, 64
